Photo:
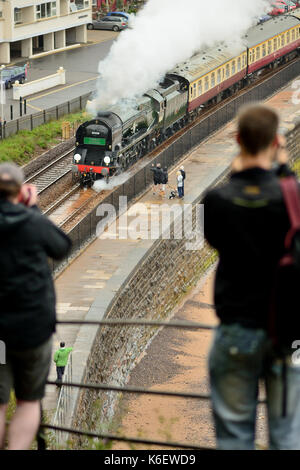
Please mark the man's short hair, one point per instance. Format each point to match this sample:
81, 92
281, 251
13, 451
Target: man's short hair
11, 180
62, 344
257, 128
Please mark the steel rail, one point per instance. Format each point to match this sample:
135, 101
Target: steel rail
48, 167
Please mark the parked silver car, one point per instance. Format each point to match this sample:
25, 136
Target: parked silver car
109, 22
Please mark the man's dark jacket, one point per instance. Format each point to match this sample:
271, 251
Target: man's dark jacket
157, 175
246, 221
27, 297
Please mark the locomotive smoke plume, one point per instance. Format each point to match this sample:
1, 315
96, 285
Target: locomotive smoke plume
164, 33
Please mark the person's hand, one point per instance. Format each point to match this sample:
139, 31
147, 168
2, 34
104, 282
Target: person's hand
28, 195
281, 156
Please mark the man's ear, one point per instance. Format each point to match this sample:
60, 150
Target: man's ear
238, 139
276, 142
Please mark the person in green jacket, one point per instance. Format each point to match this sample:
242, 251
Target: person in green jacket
61, 358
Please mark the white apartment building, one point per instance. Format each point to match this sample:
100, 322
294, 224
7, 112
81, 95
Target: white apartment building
29, 27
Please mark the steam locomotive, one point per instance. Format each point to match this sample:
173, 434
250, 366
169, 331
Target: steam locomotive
114, 140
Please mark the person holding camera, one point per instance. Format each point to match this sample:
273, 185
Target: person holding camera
27, 298
246, 220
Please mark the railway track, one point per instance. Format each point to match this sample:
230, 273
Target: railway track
79, 203
50, 174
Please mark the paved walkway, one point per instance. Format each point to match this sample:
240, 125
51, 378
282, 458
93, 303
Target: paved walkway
100, 270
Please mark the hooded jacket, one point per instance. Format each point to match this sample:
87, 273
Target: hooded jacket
61, 356
27, 297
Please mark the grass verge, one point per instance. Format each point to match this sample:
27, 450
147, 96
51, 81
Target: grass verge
25, 145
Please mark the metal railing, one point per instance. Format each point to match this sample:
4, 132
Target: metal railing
62, 432
135, 185
63, 404
30, 121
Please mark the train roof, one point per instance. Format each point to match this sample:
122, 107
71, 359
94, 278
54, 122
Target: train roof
204, 61
270, 28
209, 59
295, 13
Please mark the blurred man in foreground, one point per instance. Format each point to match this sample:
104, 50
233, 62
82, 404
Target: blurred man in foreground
246, 220
27, 299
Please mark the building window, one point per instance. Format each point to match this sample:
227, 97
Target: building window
45, 10
17, 15
80, 4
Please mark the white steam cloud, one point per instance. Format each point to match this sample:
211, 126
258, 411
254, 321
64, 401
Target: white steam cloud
164, 33
101, 185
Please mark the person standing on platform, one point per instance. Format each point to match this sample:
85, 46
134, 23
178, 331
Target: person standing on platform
183, 176
179, 184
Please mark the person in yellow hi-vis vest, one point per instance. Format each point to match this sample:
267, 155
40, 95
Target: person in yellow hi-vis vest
61, 359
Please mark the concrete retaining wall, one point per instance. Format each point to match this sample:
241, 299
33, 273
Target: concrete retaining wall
44, 83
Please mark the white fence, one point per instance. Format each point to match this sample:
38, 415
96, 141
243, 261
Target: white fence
44, 83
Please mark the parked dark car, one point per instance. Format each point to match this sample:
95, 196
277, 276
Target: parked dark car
264, 18
109, 22
11, 74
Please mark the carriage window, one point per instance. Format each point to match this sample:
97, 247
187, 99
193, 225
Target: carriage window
191, 90
264, 50
227, 71
275, 44
233, 68
293, 35
195, 92
239, 65
288, 37
206, 83
219, 76
269, 47
257, 53
282, 40
213, 79
200, 87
